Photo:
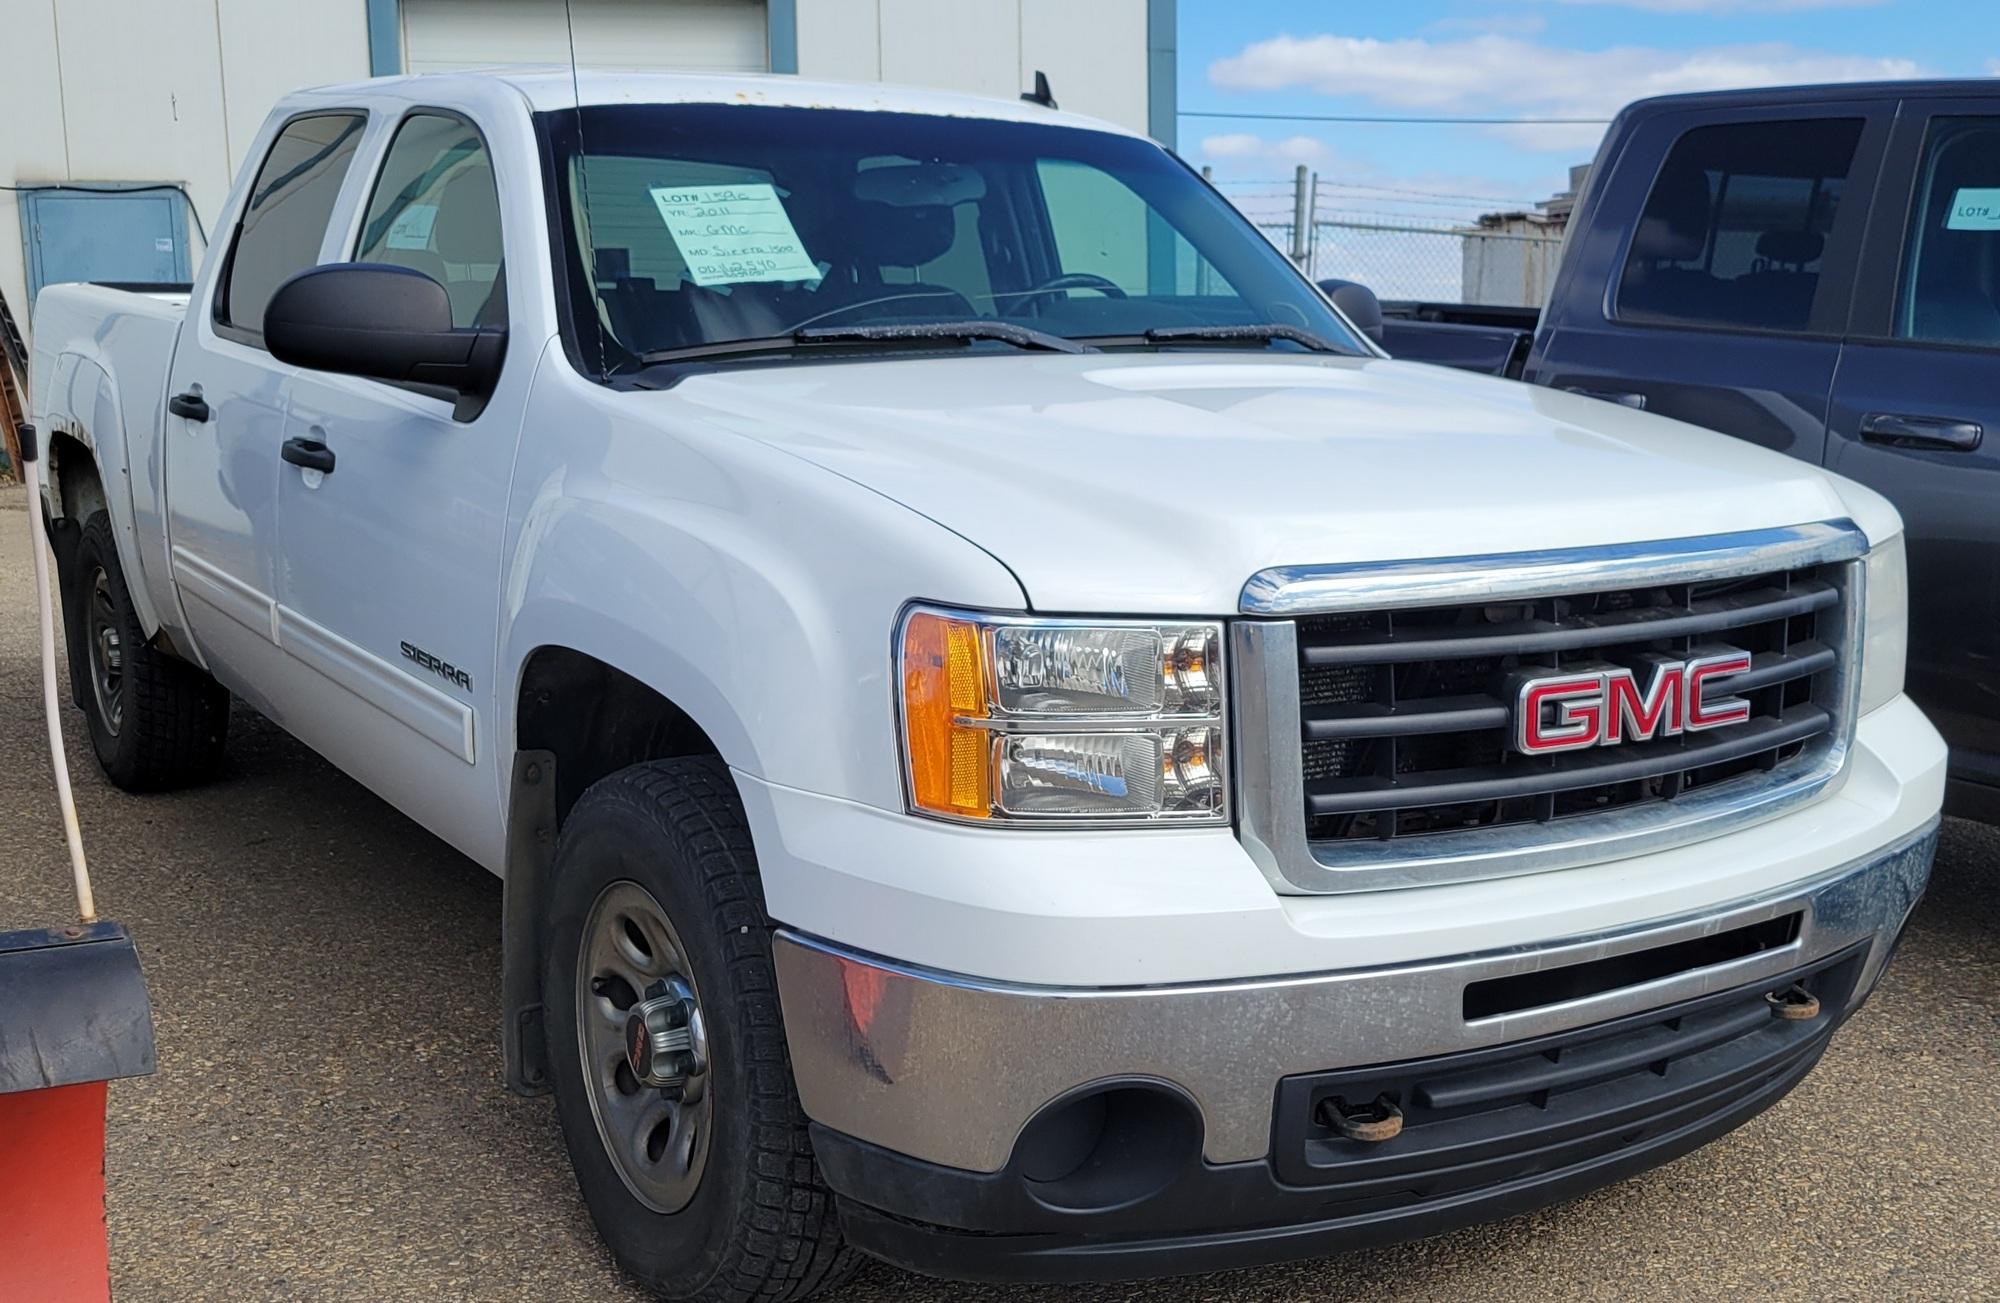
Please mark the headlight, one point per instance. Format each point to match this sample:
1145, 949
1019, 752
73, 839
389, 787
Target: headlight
1015, 720
1886, 590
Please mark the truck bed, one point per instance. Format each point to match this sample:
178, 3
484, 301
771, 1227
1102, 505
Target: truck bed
1485, 338
101, 355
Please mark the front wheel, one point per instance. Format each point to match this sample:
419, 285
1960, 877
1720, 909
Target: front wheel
665, 1041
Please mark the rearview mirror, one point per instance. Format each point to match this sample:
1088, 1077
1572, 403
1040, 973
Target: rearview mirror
1359, 303
386, 323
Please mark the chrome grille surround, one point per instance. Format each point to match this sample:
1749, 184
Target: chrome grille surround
1269, 737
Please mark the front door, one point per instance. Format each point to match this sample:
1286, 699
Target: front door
226, 409
1727, 299
389, 580
1916, 414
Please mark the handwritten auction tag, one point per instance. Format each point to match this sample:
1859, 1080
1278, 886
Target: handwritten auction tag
1974, 210
733, 234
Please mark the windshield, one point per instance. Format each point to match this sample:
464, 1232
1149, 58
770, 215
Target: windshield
688, 228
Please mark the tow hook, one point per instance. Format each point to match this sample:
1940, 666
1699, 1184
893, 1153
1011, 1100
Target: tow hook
1794, 1003
666, 1041
1372, 1123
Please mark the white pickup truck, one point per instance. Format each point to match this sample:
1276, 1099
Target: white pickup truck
1016, 740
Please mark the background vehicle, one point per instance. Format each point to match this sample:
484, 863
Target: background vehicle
1016, 741
1815, 269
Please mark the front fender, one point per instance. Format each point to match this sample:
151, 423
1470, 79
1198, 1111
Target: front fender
757, 592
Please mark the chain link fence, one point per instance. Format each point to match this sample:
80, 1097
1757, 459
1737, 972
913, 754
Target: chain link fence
1400, 255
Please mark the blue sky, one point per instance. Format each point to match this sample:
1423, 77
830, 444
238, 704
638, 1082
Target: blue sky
1515, 58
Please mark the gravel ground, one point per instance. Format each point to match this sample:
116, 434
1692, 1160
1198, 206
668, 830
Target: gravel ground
329, 1122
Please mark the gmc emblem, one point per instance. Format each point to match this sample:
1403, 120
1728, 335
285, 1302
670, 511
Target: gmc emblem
1592, 708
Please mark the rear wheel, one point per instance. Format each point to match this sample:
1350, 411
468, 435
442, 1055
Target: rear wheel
667, 1048
156, 722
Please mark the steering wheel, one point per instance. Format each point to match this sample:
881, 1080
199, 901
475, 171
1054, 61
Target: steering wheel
1069, 280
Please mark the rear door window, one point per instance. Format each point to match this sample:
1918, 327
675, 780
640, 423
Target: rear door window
284, 221
1950, 291
435, 210
1735, 229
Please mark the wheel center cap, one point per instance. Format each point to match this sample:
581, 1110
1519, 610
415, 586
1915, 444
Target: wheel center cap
665, 1044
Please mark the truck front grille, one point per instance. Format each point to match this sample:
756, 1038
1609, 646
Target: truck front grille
1379, 742
1405, 716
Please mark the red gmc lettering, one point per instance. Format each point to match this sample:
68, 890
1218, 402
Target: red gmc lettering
1605, 707
1628, 715
1702, 713
1579, 713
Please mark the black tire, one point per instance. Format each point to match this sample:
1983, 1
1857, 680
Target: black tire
167, 721
759, 1223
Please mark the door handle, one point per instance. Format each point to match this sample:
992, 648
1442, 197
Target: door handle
1637, 402
309, 453
1921, 432
189, 406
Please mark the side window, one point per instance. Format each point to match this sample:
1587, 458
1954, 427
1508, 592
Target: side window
285, 220
1735, 227
435, 210
1951, 276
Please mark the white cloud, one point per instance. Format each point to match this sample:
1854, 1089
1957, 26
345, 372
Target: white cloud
1993, 67
1506, 76
1242, 147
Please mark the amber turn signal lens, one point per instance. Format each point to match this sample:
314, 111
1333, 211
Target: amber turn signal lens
944, 680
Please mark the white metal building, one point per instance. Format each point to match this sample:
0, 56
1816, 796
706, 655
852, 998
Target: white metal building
137, 97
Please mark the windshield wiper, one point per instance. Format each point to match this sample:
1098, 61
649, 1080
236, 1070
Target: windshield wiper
905, 333
1006, 332
1259, 333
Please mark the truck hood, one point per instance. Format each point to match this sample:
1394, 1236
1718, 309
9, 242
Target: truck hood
1159, 483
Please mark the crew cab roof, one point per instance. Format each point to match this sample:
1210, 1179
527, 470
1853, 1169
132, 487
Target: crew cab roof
551, 87
1829, 93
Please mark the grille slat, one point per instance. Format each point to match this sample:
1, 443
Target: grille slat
1371, 719
1632, 625
1577, 769
1407, 715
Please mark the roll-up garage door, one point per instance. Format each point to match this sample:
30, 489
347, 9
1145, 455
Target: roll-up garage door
706, 35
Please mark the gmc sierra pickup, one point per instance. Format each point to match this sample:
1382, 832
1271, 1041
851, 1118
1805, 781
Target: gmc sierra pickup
1016, 740
1815, 269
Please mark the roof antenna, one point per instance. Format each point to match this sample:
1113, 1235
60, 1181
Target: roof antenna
1040, 94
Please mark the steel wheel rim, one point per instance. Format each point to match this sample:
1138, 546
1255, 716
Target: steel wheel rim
107, 655
658, 1144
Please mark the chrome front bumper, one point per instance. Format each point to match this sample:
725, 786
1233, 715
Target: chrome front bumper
949, 1069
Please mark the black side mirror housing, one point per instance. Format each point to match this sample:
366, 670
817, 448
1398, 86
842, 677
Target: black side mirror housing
1359, 303
386, 323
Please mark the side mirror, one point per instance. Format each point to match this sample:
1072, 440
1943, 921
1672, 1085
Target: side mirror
386, 323
1359, 303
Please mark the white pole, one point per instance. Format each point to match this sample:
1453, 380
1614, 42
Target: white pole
1301, 218
86, 903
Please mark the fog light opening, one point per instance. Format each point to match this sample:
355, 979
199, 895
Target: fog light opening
1109, 1146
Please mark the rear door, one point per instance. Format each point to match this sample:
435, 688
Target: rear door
226, 407
1726, 250
1916, 408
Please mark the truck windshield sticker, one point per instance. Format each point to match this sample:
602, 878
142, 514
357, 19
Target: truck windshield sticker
734, 234
412, 227
1974, 210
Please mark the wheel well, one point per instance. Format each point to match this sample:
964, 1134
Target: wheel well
596, 719
584, 719
79, 490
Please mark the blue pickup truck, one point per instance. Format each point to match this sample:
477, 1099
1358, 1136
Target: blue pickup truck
1816, 269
